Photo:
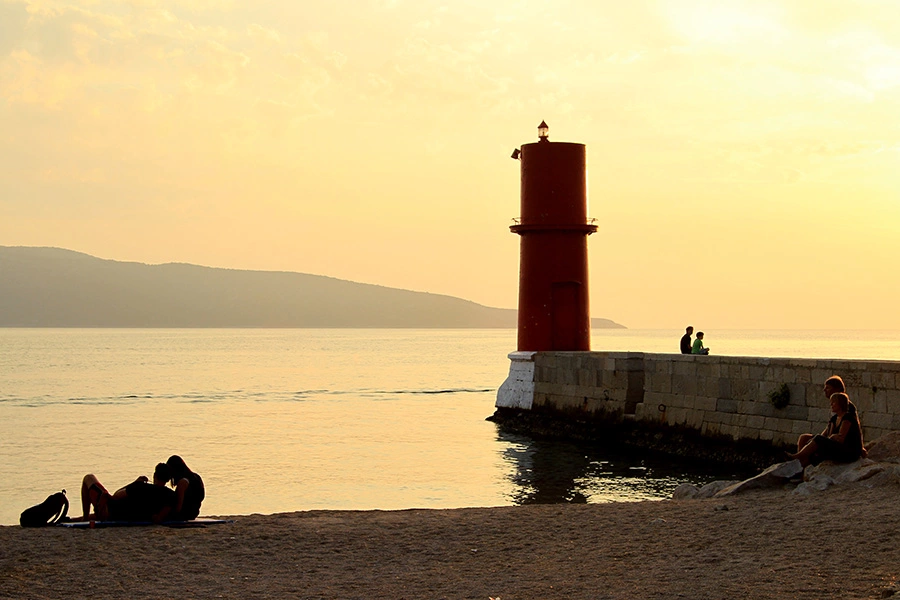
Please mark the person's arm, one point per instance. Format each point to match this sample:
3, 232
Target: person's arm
180, 491
842, 432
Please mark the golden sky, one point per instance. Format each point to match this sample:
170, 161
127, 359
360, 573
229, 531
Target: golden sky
743, 156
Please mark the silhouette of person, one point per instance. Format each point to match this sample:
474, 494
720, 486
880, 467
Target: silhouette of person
841, 441
832, 386
698, 348
686, 340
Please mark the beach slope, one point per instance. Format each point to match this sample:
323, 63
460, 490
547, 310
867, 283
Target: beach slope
841, 543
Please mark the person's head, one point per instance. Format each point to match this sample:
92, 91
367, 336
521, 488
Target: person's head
177, 468
834, 385
840, 402
689, 330
699, 335
161, 474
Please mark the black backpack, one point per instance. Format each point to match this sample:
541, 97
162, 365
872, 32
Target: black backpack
50, 511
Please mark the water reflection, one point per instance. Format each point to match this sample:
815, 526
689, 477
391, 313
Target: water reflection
554, 471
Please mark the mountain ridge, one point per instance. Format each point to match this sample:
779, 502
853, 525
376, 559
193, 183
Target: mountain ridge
55, 287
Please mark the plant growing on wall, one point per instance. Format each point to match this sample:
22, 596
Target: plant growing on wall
780, 397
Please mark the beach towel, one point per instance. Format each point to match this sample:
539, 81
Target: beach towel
174, 524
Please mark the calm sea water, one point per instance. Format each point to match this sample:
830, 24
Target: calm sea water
297, 419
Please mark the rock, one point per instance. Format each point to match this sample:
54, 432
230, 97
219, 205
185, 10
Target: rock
861, 472
886, 448
711, 489
890, 475
685, 491
774, 476
821, 483
845, 472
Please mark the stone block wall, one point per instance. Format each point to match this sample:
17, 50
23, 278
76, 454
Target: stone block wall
715, 395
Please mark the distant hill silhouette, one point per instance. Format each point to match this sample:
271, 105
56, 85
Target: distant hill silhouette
52, 287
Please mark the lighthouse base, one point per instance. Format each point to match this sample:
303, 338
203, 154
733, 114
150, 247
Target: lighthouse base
518, 389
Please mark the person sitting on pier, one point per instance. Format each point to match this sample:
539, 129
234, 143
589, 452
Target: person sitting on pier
840, 442
698, 348
686, 340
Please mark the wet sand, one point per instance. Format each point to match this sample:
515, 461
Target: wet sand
840, 543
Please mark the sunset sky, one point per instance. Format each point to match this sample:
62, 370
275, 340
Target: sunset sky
744, 157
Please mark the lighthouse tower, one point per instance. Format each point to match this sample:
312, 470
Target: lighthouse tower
554, 311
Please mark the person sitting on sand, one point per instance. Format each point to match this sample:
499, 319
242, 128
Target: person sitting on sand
137, 501
840, 442
189, 489
698, 348
833, 385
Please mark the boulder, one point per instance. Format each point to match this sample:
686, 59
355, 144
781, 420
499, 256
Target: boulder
822, 476
685, 491
820, 483
711, 489
889, 476
833, 470
774, 476
886, 448
841, 473
861, 472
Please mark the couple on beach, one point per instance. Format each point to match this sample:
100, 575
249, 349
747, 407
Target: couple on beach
142, 501
842, 439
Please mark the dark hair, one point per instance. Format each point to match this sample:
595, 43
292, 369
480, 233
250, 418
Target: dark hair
162, 472
699, 334
177, 468
836, 382
689, 328
842, 399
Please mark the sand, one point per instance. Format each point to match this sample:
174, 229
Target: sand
840, 543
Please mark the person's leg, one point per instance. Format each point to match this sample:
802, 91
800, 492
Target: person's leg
93, 493
86, 484
805, 454
805, 438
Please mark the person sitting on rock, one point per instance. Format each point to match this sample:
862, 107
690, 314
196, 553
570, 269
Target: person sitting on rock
833, 385
841, 441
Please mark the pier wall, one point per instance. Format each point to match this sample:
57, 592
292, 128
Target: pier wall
721, 396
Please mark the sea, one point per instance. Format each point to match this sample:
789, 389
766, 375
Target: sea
280, 420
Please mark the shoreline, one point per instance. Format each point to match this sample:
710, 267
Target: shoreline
763, 544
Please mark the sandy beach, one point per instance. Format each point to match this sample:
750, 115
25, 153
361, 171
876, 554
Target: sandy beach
840, 543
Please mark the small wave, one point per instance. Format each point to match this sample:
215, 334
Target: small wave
233, 396
93, 401
447, 391
371, 392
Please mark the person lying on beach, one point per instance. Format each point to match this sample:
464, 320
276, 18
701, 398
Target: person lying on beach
189, 489
840, 442
137, 501
833, 385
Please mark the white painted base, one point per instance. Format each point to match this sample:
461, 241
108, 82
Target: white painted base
518, 389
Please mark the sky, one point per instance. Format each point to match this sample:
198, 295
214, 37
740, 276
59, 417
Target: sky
742, 156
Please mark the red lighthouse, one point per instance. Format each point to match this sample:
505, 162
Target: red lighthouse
554, 311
